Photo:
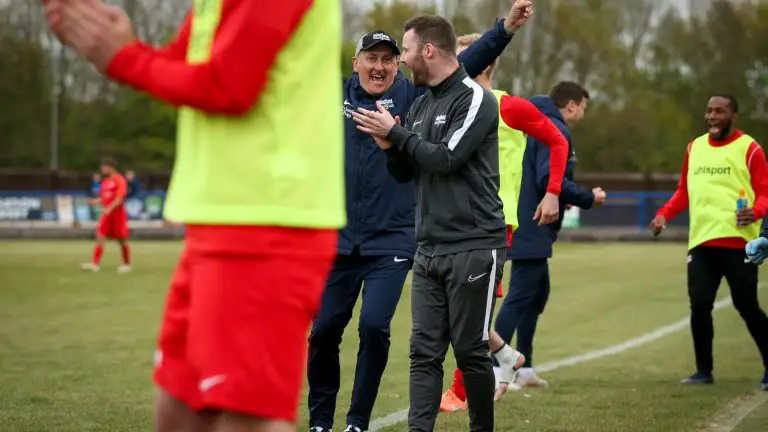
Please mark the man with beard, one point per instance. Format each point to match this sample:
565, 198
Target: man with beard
451, 150
376, 247
720, 167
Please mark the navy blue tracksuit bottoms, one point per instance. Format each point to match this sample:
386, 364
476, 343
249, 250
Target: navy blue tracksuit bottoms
525, 301
381, 280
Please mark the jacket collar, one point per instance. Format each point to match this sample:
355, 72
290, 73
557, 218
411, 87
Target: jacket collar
449, 83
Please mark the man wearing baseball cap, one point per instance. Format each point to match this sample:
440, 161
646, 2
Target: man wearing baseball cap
377, 246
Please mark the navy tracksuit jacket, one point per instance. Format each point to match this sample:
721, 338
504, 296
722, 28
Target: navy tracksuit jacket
531, 243
376, 248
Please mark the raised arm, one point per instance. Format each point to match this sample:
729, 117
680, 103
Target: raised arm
475, 115
481, 54
232, 79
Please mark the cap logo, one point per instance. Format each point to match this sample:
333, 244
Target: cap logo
381, 36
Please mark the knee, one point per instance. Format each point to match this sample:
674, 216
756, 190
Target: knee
326, 330
540, 303
469, 354
374, 326
425, 350
701, 307
746, 308
517, 300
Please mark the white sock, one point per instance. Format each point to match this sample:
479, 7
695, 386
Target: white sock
506, 355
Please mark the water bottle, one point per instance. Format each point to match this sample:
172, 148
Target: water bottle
741, 202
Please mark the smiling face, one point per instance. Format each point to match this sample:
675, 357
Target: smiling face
377, 68
413, 57
720, 117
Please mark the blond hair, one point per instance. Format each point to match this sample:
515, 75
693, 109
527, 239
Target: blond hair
468, 39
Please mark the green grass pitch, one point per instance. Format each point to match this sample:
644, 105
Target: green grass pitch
76, 348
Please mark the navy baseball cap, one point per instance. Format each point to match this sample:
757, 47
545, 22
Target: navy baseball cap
369, 40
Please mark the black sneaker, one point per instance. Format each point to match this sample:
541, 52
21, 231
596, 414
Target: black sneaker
318, 429
699, 378
353, 428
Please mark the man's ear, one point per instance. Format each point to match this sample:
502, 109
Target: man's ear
354, 64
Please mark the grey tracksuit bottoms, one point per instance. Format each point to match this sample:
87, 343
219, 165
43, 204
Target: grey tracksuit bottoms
452, 300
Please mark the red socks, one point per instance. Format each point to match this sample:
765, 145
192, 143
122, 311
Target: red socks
98, 251
458, 385
126, 254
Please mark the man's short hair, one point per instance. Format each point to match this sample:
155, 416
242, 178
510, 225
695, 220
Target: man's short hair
566, 91
467, 40
731, 99
109, 161
435, 30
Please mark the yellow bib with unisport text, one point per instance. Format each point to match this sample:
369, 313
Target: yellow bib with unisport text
511, 150
715, 177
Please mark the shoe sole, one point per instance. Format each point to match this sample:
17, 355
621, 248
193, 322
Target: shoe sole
445, 410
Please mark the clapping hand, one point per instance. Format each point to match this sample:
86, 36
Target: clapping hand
377, 123
95, 30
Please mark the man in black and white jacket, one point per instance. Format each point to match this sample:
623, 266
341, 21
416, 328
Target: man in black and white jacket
450, 148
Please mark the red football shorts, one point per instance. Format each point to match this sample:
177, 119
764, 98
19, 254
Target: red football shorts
241, 301
113, 225
500, 286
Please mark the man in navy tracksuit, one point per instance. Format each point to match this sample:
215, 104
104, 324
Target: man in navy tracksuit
531, 242
376, 248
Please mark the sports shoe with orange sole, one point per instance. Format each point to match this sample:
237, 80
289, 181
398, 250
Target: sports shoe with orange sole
451, 403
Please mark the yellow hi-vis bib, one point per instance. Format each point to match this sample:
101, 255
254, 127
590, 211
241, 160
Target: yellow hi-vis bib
282, 163
715, 177
511, 151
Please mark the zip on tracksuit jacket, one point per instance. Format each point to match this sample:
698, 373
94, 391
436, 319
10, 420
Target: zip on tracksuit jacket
380, 211
452, 151
531, 240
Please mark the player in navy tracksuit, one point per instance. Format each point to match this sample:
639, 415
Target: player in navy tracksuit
531, 242
376, 248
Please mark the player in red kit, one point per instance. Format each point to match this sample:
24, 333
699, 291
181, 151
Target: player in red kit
113, 223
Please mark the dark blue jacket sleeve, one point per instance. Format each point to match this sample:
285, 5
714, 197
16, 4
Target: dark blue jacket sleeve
576, 195
764, 231
571, 193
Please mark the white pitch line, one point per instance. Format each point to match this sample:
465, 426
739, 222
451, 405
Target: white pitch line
402, 415
732, 418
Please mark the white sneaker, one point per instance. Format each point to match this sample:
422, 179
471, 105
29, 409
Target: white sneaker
124, 269
510, 361
91, 267
527, 378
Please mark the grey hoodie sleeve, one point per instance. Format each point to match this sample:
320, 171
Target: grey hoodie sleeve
475, 115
